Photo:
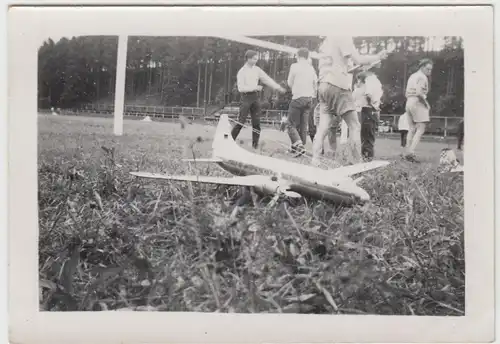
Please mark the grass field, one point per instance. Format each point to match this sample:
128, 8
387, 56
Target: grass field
109, 241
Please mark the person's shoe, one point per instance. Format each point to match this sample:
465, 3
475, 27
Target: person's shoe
299, 150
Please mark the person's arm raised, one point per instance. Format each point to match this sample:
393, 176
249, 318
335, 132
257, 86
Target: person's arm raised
266, 79
349, 50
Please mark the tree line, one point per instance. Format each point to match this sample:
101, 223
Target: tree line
201, 71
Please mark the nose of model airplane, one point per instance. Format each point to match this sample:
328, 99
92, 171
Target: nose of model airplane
363, 195
355, 190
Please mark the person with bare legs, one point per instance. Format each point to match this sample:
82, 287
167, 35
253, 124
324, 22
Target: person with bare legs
417, 107
335, 96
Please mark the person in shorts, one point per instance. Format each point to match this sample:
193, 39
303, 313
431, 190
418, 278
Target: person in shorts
417, 107
334, 91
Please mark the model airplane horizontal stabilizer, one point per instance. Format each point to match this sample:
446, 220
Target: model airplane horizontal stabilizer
350, 170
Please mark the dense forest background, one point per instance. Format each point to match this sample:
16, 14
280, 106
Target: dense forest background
201, 71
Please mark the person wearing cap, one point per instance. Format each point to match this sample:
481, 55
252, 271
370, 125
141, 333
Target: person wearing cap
248, 79
417, 107
302, 80
335, 95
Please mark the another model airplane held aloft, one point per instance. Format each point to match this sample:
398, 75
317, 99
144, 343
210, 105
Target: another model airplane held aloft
276, 177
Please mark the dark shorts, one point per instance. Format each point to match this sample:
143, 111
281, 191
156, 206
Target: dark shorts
335, 100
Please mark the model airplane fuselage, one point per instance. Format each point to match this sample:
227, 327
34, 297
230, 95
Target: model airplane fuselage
274, 176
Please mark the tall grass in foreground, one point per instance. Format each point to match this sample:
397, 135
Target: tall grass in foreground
109, 241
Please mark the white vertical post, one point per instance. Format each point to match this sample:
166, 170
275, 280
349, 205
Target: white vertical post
121, 69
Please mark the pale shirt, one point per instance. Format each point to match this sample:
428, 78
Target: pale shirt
359, 98
302, 79
248, 79
403, 122
418, 85
368, 94
335, 53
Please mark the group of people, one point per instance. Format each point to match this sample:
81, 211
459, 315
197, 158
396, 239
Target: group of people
331, 88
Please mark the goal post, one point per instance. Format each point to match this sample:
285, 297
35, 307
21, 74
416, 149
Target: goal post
121, 71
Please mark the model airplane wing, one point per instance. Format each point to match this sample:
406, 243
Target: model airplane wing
347, 171
236, 181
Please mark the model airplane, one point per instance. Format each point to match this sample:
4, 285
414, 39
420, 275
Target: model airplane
276, 177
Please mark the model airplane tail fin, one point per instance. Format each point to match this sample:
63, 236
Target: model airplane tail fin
223, 139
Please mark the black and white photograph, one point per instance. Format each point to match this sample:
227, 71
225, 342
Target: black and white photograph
260, 172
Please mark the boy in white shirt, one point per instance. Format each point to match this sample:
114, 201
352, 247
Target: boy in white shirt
302, 80
248, 79
367, 95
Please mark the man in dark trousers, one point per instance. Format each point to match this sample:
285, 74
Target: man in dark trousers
303, 82
248, 78
367, 96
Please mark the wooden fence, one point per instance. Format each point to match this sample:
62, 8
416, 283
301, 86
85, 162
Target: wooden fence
440, 126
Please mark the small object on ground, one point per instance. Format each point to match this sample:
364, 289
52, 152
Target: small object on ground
448, 161
147, 119
411, 158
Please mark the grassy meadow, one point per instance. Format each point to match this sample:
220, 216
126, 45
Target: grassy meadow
108, 241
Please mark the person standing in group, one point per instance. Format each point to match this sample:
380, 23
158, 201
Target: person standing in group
367, 95
302, 80
417, 107
248, 78
403, 128
334, 91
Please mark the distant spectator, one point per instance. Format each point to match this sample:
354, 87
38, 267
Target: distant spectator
460, 134
403, 128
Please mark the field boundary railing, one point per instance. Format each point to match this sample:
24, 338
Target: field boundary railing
439, 125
